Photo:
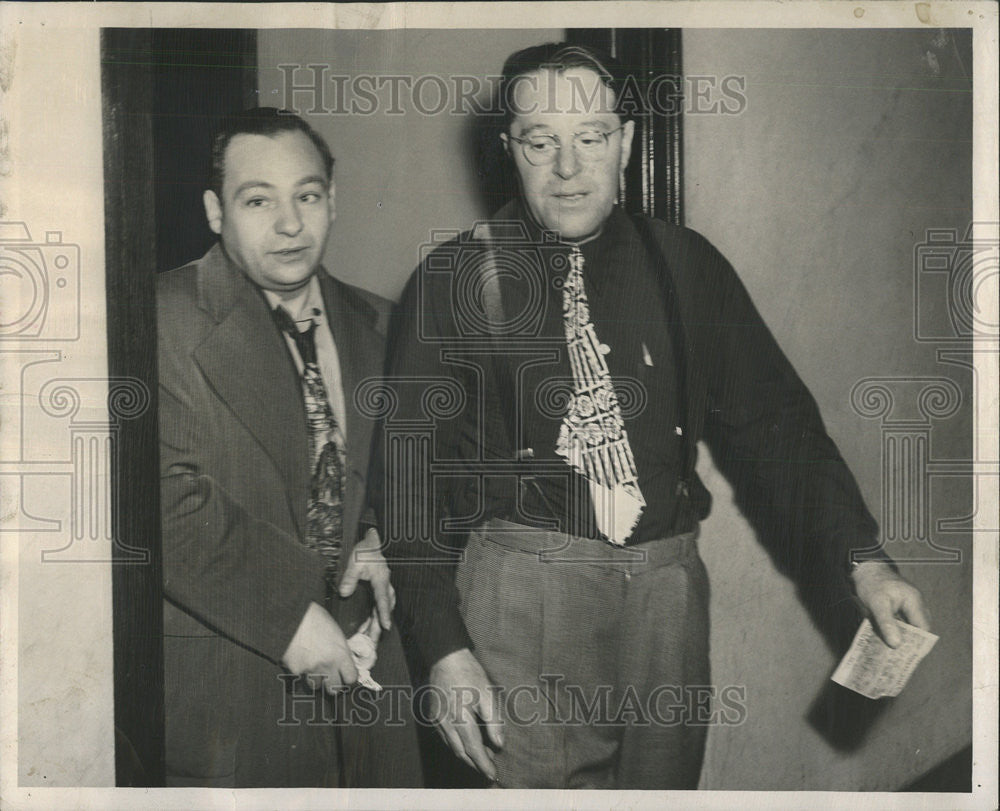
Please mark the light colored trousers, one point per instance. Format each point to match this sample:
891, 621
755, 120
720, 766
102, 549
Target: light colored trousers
600, 654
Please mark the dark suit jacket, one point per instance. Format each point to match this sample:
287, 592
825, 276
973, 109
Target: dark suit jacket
742, 397
235, 481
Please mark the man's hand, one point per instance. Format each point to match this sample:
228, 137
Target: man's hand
460, 692
885, 594
319, 651
367, 563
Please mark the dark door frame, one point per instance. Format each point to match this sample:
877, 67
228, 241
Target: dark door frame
147, 75
130, 252
653, 177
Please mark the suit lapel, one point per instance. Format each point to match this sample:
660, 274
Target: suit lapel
360, 353
247, 362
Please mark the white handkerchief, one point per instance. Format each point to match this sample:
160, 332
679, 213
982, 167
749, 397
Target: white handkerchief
617, 511
874, 669
362, 649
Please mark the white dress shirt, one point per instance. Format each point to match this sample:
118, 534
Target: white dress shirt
305, 306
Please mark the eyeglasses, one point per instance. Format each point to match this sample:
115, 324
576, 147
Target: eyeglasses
590, 146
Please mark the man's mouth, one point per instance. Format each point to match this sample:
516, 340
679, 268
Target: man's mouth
289, 254
570, 197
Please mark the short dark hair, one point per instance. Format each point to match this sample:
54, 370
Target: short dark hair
561, 56
269, 121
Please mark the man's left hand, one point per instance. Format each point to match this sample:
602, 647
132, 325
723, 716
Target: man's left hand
367, 563
885, 595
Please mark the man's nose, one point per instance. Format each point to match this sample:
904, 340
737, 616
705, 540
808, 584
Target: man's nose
288, 221
567, 164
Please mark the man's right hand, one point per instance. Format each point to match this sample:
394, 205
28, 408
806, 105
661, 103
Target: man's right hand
460, 692
319, 651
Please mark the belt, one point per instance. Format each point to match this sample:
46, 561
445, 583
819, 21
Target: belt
558, 548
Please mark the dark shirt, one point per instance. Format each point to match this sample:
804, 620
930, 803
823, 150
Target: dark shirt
453, 382
629, 315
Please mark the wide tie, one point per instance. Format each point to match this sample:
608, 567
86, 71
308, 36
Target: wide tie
325, 510
592, 436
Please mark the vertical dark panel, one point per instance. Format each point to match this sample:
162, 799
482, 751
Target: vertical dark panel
653, 178
200, 75
130, 262
163, 91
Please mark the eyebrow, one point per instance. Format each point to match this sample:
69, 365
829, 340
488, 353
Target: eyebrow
592, 124
263, 184
251, 184
312, 179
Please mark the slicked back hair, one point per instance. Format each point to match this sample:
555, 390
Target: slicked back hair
559, 57
268, 121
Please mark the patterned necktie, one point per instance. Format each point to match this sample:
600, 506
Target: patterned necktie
592, 437
325, 511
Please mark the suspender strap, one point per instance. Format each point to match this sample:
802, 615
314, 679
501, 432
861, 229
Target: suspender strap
677, 339
500, 430
497, 429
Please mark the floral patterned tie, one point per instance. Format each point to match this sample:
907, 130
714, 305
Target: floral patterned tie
325, 512
592, 437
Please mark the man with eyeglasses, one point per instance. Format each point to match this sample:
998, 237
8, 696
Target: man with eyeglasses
567, 641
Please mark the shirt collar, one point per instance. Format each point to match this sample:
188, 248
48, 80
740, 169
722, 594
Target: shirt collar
606, 255
305, 306
603, 252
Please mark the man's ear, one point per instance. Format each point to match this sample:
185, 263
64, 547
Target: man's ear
628, 129
213, 210
332, 201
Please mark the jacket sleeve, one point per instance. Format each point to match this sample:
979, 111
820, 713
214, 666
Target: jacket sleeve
242, 576
767, 436
421, 555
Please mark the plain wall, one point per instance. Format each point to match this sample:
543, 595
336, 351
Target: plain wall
850, 147
398, 176
56, 610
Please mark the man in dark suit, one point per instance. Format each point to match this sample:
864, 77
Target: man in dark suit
586, 353
264, 460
